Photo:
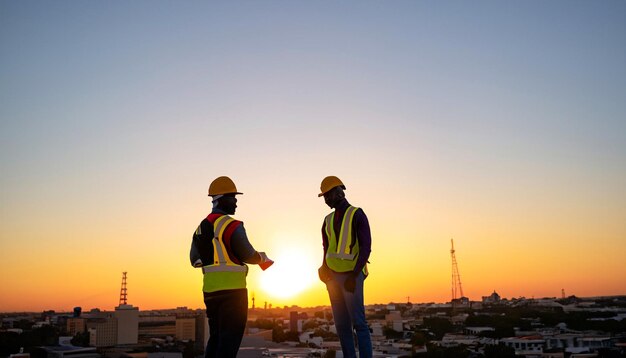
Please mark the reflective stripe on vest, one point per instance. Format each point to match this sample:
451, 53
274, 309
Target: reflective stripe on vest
221, 260
339, 256
223, 274
345, 235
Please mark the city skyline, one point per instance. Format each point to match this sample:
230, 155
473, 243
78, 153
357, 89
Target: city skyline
264, 304
500, 126
526, 327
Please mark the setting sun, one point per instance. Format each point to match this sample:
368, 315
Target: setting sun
293, 272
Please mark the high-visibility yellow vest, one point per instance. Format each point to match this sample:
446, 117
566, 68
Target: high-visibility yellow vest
223, 273
340, 256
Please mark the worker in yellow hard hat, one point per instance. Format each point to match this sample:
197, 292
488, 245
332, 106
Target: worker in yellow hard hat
220, 247
346, 239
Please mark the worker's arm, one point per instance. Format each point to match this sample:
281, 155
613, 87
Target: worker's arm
243, 249
364, 238
324, 271
324, 243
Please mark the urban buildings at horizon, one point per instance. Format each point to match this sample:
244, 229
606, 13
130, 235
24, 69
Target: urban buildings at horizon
394, 327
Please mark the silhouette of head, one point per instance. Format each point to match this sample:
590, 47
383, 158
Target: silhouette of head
223, 191
334, 196
332, 189
227, 203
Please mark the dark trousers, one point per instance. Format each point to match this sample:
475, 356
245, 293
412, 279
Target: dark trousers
227, 312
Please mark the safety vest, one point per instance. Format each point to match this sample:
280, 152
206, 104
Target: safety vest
341, 256
226, 272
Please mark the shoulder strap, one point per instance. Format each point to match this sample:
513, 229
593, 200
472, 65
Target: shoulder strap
223, 227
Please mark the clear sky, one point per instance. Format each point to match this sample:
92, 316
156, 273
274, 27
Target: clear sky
499, 124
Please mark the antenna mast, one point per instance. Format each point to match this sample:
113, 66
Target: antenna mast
123, 290
457, 288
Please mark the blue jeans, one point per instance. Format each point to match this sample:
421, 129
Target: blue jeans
349, 315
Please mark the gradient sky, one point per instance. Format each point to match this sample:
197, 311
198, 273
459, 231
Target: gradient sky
499, 124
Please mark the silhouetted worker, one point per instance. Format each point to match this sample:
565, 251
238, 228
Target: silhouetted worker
347, 244
220, 247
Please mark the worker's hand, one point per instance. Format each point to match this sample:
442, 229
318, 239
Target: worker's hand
265, 261
198, 263
350, 283
324, 274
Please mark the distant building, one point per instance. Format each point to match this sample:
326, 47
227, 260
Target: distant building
293, 321
127, 324
491, 299
462, 302
577, 342
525, 346
459, 319
186, 329
394, 319
476, 331
102, 332
454, 340
202, 331
307, 338
157, 327
392, 316
75, 325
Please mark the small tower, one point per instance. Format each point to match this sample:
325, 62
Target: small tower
253, 301
123, 290
127, 318
457, 288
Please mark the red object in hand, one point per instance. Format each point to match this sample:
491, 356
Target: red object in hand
265, 264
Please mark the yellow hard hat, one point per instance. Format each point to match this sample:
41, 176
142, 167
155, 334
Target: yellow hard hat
222, 185
328, 183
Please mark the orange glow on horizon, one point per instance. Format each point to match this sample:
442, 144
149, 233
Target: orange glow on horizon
441, 122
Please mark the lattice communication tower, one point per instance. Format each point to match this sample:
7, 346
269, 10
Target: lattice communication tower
123, 290
457, 288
